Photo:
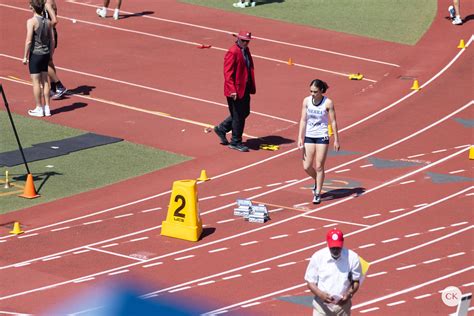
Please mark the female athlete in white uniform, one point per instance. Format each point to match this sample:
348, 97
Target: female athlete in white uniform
313, 137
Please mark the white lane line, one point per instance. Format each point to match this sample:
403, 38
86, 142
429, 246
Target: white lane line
273, 184
406, 267
3, 240
390, 240
332, 224
306, 230
370, 216
27, 236
397, 210
109, 245
93, 222
467, 145
414, 156
419, 297
123, 215
251, 304
456, 254
81, 251
459, 224
115, 254
151, 210
291, 181
251, 189
206, 283
229, 193
184, 258
21, 265
469, 194
232, 277
369, 310
366, 246
366, 166
412, 235
335, 222
468, 284
343, 170
407, 290
396, 303
249, 243
138, 239
407, 182
118, 272
431, 261
51, 258
457, 171
376, 274
226, 220
218, 250
84, 280
286, 264
438, 151
420, 205
180, 289
260, 270
436, 229
207, 198
152, 264
301, 204
279, 236
61, 228
276, 210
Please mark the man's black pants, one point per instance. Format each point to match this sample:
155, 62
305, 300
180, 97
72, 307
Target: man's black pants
239, 110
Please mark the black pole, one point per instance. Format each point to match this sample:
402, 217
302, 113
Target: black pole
14, 129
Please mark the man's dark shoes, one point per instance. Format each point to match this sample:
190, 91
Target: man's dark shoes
221, 135
239, 147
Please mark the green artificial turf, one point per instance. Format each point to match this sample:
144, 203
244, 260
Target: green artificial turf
400, 21
76, 172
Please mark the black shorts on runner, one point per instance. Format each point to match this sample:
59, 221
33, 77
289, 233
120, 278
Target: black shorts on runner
38, 63
316, 140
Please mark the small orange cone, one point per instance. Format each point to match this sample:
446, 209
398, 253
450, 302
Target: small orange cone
30, 191
415, 85
203, 176
290, 62
16, 229
461, 44
471, 153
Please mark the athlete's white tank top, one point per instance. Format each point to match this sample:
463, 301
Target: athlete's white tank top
316, 118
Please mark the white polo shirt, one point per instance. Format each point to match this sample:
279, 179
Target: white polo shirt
332, 276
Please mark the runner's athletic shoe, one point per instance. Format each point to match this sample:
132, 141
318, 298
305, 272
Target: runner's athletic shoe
457, 21
59, 93
38, 111
317, 199
116, 14
452, 13
47, 111
101, 12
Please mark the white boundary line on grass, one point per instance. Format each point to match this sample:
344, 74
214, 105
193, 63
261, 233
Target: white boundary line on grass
255, 37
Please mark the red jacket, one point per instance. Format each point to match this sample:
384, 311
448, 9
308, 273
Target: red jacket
236, 73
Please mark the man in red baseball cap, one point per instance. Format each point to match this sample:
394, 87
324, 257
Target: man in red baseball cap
239, 84
333, 276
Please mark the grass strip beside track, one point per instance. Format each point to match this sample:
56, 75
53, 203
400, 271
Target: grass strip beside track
73, 173
401, 21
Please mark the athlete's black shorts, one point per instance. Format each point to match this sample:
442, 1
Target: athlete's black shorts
38, 63
316, 140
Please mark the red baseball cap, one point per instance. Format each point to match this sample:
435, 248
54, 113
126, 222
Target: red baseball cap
335, 238
244, 35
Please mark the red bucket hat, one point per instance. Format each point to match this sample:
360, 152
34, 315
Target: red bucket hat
244, 35
335, 238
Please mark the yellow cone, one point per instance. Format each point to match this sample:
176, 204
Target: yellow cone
471, 153
203, 176
16, 229
415, 85
290, 62
461, 44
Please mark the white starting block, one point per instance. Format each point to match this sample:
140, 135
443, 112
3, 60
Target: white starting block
243, 208
252, 213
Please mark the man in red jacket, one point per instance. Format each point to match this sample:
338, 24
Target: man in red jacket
239, 84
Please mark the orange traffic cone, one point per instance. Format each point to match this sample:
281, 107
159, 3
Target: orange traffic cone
16, 229
203, 176
461, 44
415, 85
30, 191
290, 62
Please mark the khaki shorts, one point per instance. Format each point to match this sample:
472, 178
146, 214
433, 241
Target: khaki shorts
322, 309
